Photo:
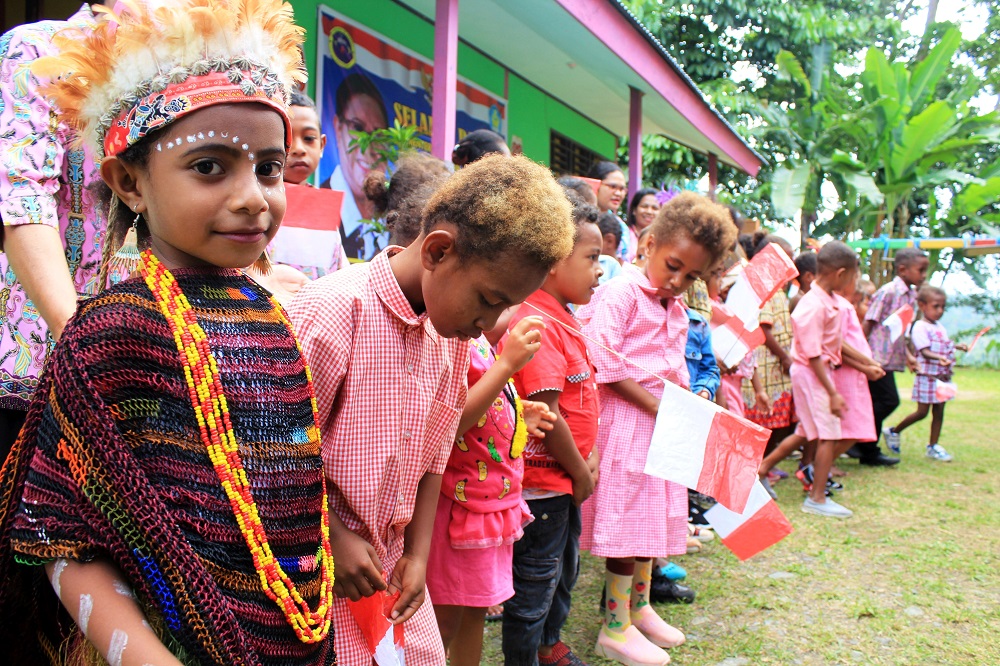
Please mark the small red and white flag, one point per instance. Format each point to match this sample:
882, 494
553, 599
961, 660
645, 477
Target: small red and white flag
898, 322
759, 526
768, 271
945, 391
732, 340
698, 444
310, 231
384, 639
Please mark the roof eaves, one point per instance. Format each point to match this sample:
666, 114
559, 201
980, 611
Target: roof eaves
669, 59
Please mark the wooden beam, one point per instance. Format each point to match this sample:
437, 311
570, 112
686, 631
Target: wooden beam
443, 106
634, 143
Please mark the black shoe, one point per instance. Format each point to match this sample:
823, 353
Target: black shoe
664, 590
696, 513
855, 452
881, 460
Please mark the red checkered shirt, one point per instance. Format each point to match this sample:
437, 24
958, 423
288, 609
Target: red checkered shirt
390, 391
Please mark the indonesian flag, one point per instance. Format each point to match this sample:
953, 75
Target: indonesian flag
698, 444
735, 327
310, 231
759, 526
945, 391
898, 322
731, 339
385, 640
766, 273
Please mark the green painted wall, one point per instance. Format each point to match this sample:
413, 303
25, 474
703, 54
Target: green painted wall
532, 114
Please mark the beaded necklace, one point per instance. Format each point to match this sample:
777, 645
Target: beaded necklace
210, 407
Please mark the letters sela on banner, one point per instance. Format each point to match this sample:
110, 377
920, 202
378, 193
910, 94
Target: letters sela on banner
698, 444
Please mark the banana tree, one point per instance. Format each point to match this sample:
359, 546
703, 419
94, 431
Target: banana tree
911, 138
812, 128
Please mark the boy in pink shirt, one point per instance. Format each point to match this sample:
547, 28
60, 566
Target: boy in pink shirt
816, 352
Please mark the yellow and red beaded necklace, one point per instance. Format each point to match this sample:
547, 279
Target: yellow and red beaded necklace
205, 387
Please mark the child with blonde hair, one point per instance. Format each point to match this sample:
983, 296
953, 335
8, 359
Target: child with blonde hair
390, 343
633, 518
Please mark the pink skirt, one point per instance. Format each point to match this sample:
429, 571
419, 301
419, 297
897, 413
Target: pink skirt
812, 403
731, 386
470, 577
859, 419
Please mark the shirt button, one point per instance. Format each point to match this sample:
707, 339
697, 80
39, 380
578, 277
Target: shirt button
545, 516
409, 368
406, 434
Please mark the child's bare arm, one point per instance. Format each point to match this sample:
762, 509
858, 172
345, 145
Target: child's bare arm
410, 573
633, 392
772, 344
940, 358
100, 600
763, 400
359, 571
560, 444
524, 340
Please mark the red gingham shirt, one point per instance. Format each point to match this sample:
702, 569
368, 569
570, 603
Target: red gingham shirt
390, 391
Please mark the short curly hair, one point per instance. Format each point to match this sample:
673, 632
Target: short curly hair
705, 222
504, 205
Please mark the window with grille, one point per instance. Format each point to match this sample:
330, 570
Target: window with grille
568, 157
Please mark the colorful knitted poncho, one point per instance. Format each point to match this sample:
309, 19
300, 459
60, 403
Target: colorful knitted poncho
114, 410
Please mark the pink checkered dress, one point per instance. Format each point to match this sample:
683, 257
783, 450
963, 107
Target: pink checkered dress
390, 391
632, 514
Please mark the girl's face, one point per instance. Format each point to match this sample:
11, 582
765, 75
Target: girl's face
932, 308
673, 265
307, 144
212, 194
645, 211
463, 298
611, 193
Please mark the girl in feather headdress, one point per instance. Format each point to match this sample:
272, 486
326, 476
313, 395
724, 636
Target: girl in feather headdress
165, 502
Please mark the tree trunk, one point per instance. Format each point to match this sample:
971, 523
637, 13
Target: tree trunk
925, 40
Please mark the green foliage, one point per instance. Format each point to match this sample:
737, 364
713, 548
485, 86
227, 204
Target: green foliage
387, 143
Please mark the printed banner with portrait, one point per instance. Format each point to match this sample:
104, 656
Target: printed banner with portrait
366, 82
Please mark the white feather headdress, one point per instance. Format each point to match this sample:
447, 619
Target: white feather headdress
136, 70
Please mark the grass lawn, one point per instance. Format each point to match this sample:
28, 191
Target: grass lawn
912, 578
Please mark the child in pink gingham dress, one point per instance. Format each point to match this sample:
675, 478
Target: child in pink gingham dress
851, 378
632, 517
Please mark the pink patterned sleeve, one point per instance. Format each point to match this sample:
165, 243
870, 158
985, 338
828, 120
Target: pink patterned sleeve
31, 150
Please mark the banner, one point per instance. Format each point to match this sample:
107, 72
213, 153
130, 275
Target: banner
366, 82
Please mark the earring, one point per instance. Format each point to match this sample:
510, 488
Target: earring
125, 260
